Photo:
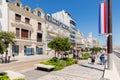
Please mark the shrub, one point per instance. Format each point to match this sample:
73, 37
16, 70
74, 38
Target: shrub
54, 59
85, 56
70, 61
19, 79
60, 63
4, 77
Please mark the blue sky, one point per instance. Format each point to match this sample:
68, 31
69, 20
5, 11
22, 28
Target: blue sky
85, 12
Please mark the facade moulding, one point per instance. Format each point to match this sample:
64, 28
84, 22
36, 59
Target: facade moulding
25, 13
28, 42
22, 26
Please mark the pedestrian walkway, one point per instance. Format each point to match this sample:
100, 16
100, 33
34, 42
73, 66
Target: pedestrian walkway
81, 71
23, 63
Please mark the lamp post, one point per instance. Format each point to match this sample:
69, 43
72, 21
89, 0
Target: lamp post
109, 38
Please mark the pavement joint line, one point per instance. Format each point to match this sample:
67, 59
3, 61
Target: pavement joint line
23, 71
72, 75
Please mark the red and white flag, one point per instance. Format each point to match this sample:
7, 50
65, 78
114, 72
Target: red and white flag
102, 19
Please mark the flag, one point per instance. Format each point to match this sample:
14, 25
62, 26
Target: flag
102, 18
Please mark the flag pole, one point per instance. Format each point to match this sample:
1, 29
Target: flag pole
109, 39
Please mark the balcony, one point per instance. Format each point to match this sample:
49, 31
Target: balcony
18, 23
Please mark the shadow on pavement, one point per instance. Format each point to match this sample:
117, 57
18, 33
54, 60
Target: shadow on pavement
91, 67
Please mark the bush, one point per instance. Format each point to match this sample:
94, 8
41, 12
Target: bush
70, 61
4, 77
60, 63
54, 59
85, 56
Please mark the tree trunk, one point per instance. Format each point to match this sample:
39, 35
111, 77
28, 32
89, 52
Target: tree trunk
55, 53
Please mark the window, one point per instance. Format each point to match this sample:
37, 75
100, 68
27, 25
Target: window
17, 4
38, 50
27, 9
27, 20
39, 13
39, 26
24, 33
17, 17
72, 22
17, 32
39, 37
28, 51
15, 50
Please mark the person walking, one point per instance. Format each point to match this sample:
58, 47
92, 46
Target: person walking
92, 58
102, 58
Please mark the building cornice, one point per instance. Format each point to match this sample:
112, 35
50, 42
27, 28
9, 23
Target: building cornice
25, 13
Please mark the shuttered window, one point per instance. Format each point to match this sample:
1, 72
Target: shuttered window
39, 26
17, 17
24, 33
27, 20
17, 32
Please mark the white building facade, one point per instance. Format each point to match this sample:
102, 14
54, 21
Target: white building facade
27, 24
54, 28
66, 18
92, 42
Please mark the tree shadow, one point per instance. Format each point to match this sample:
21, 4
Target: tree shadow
91, 67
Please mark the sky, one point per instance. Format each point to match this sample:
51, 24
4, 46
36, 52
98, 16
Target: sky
85, 12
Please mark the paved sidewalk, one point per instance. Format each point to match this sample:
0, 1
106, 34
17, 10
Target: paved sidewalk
23, 63
81, 71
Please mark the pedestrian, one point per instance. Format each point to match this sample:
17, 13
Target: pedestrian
6, 56
92, 58
74, 53
102, 58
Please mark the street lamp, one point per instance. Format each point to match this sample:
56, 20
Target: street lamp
109, 38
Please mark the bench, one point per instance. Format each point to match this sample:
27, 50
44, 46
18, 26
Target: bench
43, 67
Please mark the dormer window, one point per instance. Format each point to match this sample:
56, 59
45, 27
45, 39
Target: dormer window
27, 9
18, 5
39, 13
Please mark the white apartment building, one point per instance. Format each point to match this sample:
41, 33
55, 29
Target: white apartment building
91, 42
79, 39
66, 18
54, 28
27, 24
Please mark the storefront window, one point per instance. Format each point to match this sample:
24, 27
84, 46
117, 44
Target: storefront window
38, 51
28, 51
15, 50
